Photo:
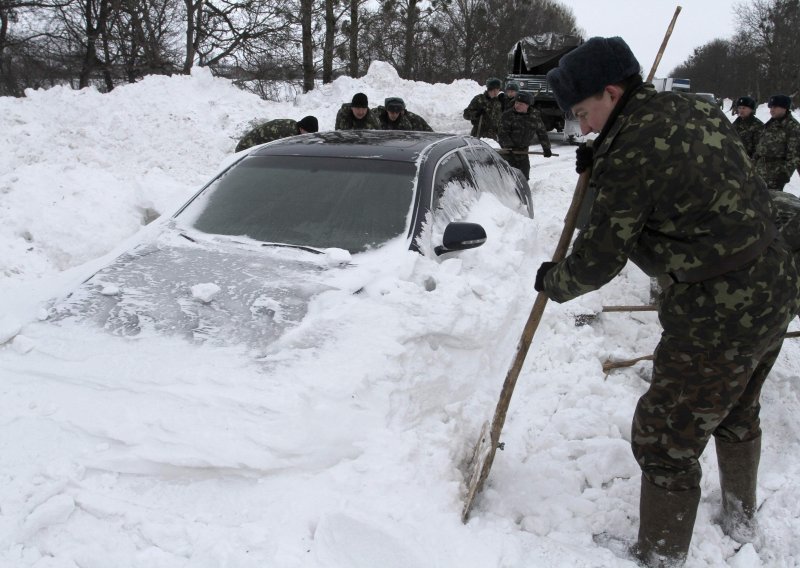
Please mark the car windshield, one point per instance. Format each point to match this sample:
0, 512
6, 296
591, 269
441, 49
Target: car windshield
321, 202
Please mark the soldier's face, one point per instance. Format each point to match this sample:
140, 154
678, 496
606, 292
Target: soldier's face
359, 112
777, 112
493, 93
593, 112
511, 93
393, 115
519, 106
744, 111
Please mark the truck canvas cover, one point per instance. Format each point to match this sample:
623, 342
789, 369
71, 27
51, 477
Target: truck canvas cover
537, 54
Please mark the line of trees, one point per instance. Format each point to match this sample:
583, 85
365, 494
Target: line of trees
259, 43
762, 59
263, 43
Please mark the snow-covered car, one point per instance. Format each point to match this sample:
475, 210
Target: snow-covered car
240, 261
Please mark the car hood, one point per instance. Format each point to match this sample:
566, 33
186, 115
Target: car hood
206, 291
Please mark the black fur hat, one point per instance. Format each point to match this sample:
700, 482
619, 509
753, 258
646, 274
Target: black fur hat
394, 104
585, 71
360, 101
746, 102
308, 123
780, 101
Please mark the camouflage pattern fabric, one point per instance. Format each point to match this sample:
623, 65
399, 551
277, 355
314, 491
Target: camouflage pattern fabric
417, 122
749, 130
508, 102
777, 155
719, 395
677, 195
517, 131
406, 121
485, 112
267, 132
345, 120
787, 219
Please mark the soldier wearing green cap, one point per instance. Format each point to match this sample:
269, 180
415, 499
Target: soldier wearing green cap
393, 115
747, 124
484, 110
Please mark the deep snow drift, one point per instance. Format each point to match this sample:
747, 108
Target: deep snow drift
347, 450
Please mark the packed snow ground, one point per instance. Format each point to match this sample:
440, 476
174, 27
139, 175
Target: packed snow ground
349, 452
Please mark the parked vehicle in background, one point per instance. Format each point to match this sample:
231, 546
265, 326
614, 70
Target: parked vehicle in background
528, 63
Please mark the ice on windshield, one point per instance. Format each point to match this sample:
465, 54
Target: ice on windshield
320, 202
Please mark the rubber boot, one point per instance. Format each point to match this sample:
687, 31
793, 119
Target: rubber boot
738, 476
666, 521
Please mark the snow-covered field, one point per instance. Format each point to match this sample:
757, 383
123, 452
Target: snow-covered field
348, 452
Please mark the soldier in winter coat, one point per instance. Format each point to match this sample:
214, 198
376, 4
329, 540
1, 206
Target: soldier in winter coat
518, 127
393, 115
356, 115
705, 224
276, 129
484, 111
509, 96
747, 124
777, 155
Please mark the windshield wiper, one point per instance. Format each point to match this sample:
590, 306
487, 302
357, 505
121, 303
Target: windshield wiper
301, 247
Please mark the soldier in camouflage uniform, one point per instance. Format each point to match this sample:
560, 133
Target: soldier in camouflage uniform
394, 116
747, 124
778, 152
356, 115
276, 129
510, 95
517, 128
706, 225
484, 111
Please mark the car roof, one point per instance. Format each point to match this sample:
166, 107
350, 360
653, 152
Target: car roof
395, 145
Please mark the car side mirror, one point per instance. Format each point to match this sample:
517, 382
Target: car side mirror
461, 236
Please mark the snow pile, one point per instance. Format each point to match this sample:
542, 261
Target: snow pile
345, 447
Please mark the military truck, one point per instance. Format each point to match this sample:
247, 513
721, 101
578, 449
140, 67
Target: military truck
528, 63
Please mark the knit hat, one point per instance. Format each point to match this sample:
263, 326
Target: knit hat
394, 104
524, 97
746, 102
512, 86
308, 123
586, 70
493, 83
360, 101
780, 101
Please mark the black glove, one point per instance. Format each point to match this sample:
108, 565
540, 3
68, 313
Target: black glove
547, 152
541, 273
584, 156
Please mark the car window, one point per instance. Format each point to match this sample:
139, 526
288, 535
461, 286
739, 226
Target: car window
493, 174
322, 202
451, 170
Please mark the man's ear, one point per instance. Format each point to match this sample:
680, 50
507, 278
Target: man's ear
615, 91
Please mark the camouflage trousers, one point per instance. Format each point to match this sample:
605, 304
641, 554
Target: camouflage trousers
692, 396
520, 161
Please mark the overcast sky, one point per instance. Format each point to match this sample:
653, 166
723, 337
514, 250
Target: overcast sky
643, 23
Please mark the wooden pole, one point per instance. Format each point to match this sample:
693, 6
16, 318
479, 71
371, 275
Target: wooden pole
488, 441
663, 46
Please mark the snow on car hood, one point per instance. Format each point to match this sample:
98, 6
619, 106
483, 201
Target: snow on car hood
216, 291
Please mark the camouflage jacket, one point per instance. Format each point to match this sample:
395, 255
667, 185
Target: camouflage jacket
346, 121
518, 129
508, 102
484, 112
267, 132
677, 195
749, 130
407, 121
778, 152
787, 218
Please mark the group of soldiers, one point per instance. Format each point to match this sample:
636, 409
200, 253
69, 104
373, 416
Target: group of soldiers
773, 147
355, 115
509, 118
